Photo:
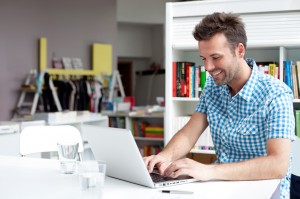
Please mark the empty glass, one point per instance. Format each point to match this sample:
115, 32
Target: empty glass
92, 178
67, 154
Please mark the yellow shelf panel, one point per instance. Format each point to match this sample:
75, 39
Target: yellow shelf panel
55, 71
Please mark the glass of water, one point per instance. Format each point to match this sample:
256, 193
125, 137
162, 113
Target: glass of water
67, 154
92, 178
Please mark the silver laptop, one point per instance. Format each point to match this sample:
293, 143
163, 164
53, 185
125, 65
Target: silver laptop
118, 148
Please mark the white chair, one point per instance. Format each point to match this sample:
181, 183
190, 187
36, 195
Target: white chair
38, 139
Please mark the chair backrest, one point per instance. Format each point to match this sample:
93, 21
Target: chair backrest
37, 139
296, 156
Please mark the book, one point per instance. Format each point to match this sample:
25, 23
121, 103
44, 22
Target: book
174, 71
182, 78
67, 62
272, 69
77, 63
203, 77
295, 82
287, 65
197, 80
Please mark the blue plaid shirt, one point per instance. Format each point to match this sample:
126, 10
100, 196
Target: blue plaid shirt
242, 124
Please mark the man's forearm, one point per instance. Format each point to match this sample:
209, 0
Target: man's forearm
267, 167
178, 147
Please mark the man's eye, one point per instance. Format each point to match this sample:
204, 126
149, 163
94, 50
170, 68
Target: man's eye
203, 59
214, 58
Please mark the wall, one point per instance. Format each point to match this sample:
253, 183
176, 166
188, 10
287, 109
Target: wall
141, 11
134, 40
71, 26
142, 45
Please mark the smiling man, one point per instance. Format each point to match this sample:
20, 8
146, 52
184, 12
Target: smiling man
250, 114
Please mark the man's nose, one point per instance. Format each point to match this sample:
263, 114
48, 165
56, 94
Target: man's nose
209, 66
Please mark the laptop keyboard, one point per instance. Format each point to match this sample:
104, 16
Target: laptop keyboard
159, 178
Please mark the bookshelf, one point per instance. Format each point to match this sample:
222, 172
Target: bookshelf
128, 120
272, 28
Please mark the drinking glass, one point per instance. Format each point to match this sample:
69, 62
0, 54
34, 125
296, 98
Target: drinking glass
67, 154
92, 178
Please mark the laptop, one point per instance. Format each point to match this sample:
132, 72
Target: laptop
118, 149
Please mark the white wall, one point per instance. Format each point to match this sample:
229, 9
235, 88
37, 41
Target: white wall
141, 11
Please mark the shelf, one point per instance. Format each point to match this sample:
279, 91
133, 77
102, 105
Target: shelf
148, 116
149, 139
296, 100
203, 151
187, 99
132, 114
56, 71
115, 114
80, 120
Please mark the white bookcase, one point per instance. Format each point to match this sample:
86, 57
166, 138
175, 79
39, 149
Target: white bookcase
272, 26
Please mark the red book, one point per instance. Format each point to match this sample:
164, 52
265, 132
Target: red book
174, 74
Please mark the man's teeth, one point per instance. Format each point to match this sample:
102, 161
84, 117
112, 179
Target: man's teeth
216, 73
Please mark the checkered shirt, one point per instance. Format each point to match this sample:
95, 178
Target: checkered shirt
242, 124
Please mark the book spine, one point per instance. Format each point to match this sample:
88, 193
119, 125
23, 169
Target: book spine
272, 68
197, 79
174, 70
178, 77
295, 82
192, 83
203, 77
187, 79
288, 73
182, 81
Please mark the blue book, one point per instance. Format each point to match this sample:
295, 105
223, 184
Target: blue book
287, 65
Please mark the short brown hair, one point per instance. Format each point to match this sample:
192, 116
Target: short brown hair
228, 23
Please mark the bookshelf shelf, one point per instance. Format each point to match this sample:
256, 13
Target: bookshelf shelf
148, 139
203, 151
275, 42
185, 99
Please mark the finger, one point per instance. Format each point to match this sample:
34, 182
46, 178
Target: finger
170, 169
162, 167
179, 172
153, 161
146, 160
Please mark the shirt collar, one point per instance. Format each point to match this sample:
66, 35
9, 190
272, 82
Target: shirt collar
248, 88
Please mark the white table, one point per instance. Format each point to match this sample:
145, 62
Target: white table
35, 178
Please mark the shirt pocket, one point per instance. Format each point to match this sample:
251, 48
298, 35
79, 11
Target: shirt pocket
248, 140
246, 129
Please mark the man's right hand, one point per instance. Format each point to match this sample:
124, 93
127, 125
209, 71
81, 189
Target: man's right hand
159, 160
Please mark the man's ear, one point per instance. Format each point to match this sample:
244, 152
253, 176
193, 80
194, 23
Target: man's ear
241, 50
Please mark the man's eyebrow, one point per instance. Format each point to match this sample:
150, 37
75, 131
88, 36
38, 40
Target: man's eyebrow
215, 54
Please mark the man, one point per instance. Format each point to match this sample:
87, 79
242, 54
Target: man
250, 114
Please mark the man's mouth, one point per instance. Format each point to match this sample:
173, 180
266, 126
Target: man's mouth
215, 73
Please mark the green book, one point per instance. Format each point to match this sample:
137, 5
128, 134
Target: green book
202, 77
